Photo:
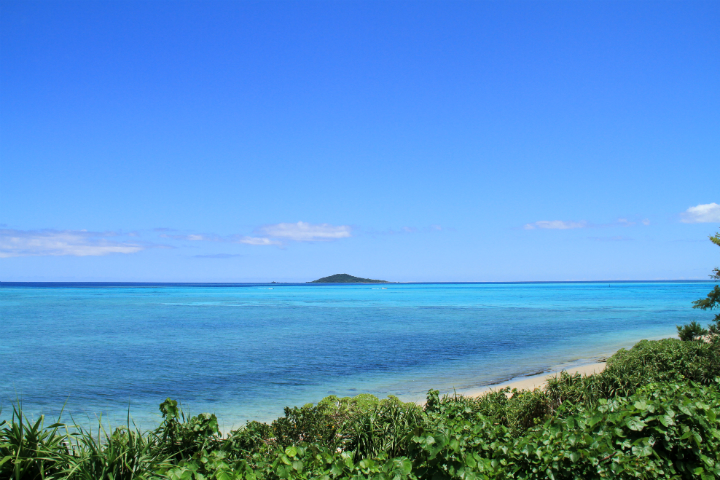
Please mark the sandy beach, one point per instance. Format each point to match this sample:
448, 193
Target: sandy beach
536, 381
531, 382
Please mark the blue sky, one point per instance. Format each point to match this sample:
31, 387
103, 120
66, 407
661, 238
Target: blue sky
410, 141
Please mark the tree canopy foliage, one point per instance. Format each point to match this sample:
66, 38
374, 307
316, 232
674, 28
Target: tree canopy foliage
716, 240
712, 301
693, 330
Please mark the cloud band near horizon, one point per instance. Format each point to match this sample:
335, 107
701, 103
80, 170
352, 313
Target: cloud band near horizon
78, 243
82, 243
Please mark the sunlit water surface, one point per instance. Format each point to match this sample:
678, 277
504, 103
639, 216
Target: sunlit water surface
246, 351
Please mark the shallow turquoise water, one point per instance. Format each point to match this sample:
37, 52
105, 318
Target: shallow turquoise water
246, 351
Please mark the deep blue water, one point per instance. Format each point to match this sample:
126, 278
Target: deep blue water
246, 351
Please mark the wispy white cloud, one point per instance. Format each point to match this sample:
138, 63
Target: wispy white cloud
191, 237
257, 241
79, 243
554, 225
276, 234
705, 213
569, 225
306, 232
624, 222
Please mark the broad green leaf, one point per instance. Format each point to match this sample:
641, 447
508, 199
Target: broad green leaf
666, 420
635, 423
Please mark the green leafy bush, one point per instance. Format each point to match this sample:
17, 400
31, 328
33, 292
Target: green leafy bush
180, 436
668, 360
254, 437
663, 431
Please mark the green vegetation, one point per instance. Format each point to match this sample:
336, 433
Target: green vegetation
693, 331
653, 413
345, 278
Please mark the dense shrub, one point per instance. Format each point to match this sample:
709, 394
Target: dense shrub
668, 360
662, 431
665, 360
181, 437
254, 437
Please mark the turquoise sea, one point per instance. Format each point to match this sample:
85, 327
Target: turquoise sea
245, 351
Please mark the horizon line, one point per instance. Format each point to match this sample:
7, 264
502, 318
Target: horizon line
129, 283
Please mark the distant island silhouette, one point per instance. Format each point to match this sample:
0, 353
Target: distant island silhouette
345, 278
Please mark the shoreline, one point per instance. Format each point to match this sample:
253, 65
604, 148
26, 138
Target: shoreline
585, 367
536, 381
528, 382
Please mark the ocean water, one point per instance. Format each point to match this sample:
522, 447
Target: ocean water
246, 351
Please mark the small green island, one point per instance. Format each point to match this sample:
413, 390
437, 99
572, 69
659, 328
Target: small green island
345, 278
